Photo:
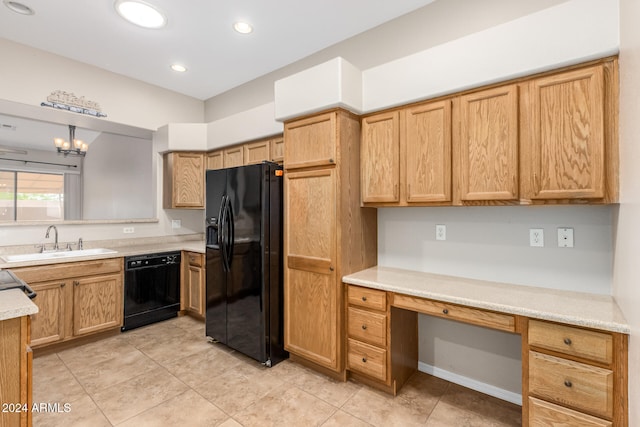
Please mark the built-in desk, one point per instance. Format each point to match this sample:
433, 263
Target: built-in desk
574, 345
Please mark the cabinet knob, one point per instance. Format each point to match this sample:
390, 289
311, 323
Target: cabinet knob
445, 311
331, 268
364, 360
331, 161
567, 341
364, 327
568, 383
76, 283
62, 285
364, 299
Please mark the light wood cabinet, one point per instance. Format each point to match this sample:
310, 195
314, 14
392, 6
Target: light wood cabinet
380, 154
257, 152
74, 299
194, 288
406, 156
233, 156
183, 180
16, 372
546, 139
97, 303
485, 146
215, 160
326, 235
277, 149
48, 324
570, 141
574, 375
382, 350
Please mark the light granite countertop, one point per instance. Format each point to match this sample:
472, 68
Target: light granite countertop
14, 303
123, 248
574, 308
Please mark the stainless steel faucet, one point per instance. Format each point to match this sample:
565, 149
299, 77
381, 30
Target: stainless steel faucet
46, 236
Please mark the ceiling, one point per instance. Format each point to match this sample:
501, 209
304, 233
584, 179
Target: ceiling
199, 34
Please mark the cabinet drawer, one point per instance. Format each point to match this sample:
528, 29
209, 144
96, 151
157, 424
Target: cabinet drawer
596, 346
367, 359
368, 326
575, 384
195, 259
489, 319
369, 298
542, 414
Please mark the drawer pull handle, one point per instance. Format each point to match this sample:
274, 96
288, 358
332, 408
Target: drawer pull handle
445, 311
567, 341
364, 299
568, 383
364, 360
364, 327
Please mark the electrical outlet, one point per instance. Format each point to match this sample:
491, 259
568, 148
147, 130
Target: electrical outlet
441, 232
565, 237
176, 223
536, 237
128, 230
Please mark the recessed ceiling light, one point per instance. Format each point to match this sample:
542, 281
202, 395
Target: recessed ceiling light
179, 68
242, 27
17, 7
141, 13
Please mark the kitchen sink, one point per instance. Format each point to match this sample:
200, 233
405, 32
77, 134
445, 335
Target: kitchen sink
38, 256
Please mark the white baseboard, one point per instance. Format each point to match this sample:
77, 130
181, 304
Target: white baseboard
476, 385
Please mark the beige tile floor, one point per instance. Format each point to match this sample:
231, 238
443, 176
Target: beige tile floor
167, 374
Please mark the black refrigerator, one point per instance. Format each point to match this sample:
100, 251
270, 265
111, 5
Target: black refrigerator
244, 270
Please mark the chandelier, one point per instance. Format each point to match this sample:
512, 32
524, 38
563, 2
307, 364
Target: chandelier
73, 146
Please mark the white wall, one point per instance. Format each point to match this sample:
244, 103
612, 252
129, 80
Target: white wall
626, 278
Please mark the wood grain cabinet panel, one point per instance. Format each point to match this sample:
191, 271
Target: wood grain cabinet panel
233, 156
183, 180
577, 385
277, 149
545, 414
367, 326
215, 160
486, 149
367, 359
48, 326
311, 142
257, 152
566, 142
97, 304
15, 372
592, 345
427, 139
194, 289
380, 158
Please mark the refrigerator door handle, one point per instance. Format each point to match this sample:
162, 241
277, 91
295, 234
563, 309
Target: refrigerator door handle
222, 235
231, 235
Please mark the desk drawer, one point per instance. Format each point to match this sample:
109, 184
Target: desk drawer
543, 414
571, 383
367, 359
489, 319
596, 346
368, 326
365, 297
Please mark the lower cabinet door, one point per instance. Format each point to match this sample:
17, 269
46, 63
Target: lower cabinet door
47, 325
97, 303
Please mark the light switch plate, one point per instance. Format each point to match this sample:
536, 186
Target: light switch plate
176, 223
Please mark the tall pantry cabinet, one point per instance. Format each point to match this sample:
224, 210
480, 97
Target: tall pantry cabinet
326, 235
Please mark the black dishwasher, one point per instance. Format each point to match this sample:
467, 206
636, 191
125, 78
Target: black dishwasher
151, 288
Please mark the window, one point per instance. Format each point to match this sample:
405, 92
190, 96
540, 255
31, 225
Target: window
31, 196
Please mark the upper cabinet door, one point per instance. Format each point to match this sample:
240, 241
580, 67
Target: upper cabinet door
567, 135
487, 148
233, 156
214, 160
277, 149
427, 138
380, 158
310, 142
184, 180
256, 152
